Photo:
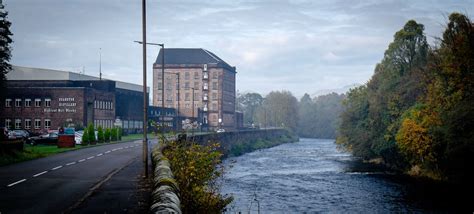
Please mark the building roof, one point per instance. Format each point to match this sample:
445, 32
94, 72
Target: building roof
27, 73
191, 56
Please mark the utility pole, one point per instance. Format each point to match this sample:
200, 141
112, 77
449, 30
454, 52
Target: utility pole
163, 90
177, 110
193, 112
145, 99
100, 63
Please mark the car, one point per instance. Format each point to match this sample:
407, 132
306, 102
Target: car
78, 137
220, 130
50, 139
19, 133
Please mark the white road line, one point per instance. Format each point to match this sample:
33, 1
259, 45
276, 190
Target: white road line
113, 150
99, 155
58, 167
90, 157
120, 148
107, 152
15, 183
81, 160
40, 174
68, 164
126, 147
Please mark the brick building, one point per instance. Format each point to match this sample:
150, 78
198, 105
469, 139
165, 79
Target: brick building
199, 77
39, 99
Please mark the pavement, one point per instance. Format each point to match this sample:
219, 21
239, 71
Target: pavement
102, 179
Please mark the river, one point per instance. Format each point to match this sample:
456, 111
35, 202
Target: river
313, 176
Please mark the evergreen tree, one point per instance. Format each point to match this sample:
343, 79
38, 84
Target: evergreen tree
5, 49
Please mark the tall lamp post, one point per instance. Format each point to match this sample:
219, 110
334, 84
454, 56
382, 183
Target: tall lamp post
145, 109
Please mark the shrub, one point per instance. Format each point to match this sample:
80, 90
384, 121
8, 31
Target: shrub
91, 133
100, 134
85, 137
107, 135
113, 134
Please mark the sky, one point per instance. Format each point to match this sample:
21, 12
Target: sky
303, 46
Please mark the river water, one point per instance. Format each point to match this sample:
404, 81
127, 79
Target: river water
313, 176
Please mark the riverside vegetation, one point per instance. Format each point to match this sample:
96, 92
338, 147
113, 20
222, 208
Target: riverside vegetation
416, 113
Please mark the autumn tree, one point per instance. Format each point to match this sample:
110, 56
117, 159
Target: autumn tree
279, 109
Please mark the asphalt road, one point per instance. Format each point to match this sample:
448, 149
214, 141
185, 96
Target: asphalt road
61, 183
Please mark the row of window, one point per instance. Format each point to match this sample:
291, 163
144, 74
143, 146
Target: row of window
187, 75
99, 104
27, 102
132, 124
187, 97
104, 123
26, 124
187, 86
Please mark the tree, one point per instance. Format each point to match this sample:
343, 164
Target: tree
249, 103
107, 135
91, 133
5, 49
100, 134
279, 109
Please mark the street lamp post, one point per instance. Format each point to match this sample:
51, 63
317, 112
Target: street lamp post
145, 109
192, 107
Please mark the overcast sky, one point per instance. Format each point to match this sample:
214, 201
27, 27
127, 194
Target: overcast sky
297, 45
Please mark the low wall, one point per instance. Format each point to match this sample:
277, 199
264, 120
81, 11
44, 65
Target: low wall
165, 196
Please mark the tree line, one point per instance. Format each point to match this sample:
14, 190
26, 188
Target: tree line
309, 117
416, 113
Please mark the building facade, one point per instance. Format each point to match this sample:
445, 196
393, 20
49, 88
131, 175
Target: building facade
41, 99
196, 83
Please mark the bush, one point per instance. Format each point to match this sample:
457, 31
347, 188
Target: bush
85, 137
91, 133
113, 134
107, 135
100, 134
197, 170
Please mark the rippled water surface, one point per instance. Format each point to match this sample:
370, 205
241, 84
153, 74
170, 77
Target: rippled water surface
309, 176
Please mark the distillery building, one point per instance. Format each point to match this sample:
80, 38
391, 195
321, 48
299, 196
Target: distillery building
42, 99
198, 83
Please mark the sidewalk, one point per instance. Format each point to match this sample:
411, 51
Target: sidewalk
126, 191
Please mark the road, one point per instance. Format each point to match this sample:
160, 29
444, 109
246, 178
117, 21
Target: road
62, 182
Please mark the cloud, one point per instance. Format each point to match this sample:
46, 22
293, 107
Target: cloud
298, 45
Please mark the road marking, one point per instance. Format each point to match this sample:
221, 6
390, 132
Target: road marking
81, 160
113, 150
15, 183
58, 167
40, 174
90, 157
99, 155
120, 148
126, 147
68, 164
107, 152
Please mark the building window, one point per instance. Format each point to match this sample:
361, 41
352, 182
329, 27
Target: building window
17, 123
196, 75
28, 103
186, 76
196, 96
186, 97
47, 102
186, 85
8, 123
196, 85
17, 103
8, 103
214, 96
37, 102
27, 123
37, 124
214, 106
214, 86
47, 123
159, 86
214, 75
111, 105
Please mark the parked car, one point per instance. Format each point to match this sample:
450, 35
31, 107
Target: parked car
220, 130
50, 138
19, 133
78, 137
